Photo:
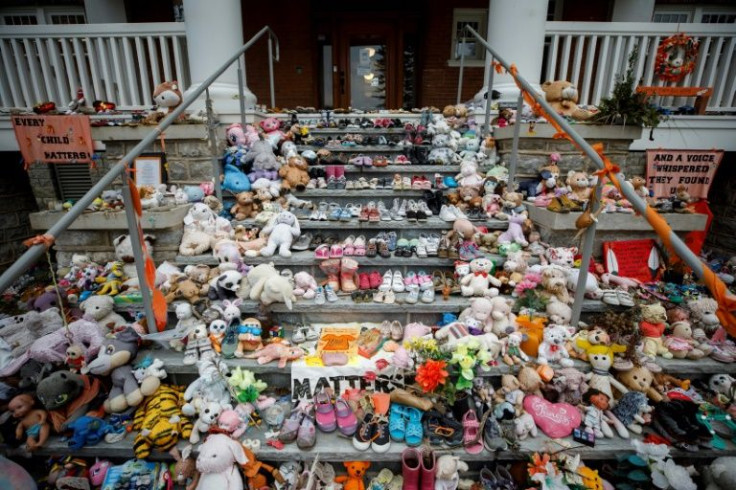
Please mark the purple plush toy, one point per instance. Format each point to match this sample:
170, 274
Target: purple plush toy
514, 233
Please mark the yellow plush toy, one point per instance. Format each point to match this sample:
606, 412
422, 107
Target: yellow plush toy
160, 421
563, 97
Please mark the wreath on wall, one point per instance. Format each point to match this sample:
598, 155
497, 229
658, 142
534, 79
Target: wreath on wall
676, 56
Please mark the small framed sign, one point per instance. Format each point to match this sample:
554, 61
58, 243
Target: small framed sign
150, 169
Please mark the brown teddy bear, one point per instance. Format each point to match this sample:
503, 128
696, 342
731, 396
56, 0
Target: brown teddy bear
245, 206
563, 97
579, 185
185, 288
513, 202
639, 184
470, 197
294, 174
640, 379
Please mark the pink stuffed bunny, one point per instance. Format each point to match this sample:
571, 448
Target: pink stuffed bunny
216, 463
231, 422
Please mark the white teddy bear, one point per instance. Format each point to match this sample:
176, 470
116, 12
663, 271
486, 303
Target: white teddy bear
552, 348
478, 282
99, 309
469, 176
273, 187
202, 230
282, 231
524, 426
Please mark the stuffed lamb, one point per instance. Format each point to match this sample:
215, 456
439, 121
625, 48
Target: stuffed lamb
282, 231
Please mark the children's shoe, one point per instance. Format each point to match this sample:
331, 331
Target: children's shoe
397, 422
387, 281
410, 468
347, 424
414, 431
290, 429
381, 438
330, 294
307, 435
471, 436
319, 297
364, 281
325, 412
397, 285
382, 480
364, 435
375, 279
428, 295
413, 295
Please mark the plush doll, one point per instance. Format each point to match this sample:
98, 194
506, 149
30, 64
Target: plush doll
447, 475
559, 313
305, 285
511, 352
277, 351
478, 282
272, 129
595, 419
87, 431
469, 175
99, 309
198, 346
503, 320
211, 385
282, 231
633, 410
703, 316
566, 386
167, 94
227, 253
225, 286
249, 336
652, 327
720, 474
600, 358
354, 479
563, 97
513, 203
294, 174
31, 422
75, 358
234, 180
524, 426
579, 186
549, 177
554, 282
232, 423
185, 470
98, 471
564, 257
491, 205
208, 415
515, 231
681, 343
613, 201
202, 230
530, 381
21, 331
245, 206
640, 379
552, 348
66, 396
160, 422
184, 288
237, 135
264, 283
114, 359
111, 279
480, 310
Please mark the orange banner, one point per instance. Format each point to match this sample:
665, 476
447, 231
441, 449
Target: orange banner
54, 139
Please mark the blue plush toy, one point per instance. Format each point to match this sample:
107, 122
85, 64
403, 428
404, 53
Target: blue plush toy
235, 180
88, 431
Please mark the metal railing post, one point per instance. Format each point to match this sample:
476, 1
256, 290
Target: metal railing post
270, 72
241, 92
212, 137
140, 259
460, 77
587, 253
489, 101
36, 251
515, 144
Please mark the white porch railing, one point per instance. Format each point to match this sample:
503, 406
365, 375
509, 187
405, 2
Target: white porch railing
120, 63
592, 54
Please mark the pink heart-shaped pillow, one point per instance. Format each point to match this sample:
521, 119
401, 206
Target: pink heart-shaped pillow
555, 419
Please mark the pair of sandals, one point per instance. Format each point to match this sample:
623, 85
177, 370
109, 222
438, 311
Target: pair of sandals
617, 297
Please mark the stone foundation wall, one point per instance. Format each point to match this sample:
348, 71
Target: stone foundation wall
16, 201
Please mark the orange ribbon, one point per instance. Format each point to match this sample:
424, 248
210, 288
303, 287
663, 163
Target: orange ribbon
45, 240
497, 66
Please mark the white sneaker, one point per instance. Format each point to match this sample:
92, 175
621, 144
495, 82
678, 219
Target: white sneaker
458, 214
402, 209
428, 295
398, 283
446, 213
413, 295
386, 284
422, 206
422, 247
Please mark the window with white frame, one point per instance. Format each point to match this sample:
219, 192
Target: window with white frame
718, 17
671, 17
462, 42
42, 15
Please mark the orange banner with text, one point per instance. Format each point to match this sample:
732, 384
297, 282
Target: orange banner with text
54, 139
666, 169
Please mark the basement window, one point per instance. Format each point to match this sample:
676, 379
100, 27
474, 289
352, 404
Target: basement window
71, 180
462, 41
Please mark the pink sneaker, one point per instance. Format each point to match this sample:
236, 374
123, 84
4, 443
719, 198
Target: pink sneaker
347, 423
322, 252
325, 412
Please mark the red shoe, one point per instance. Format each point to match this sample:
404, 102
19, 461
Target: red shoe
364, 281
375, 279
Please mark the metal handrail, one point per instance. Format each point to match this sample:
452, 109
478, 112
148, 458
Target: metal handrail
36, 251
636, 201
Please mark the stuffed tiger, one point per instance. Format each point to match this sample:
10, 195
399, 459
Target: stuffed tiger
160, 422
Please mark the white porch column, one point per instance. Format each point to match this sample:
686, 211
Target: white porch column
105, 11
214, 32
632, 11
516, 31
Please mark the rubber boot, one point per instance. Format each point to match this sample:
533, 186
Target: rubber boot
427, 462
331, 267
410, 467
347, 273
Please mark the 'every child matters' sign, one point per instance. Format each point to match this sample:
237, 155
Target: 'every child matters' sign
666, 169
54, 139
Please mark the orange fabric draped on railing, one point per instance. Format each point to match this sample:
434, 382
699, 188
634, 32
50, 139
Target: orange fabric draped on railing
726, 301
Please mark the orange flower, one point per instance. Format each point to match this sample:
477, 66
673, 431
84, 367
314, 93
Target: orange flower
431, 374
538, 464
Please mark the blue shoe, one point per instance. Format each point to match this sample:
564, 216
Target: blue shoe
345, 214
334, 212
396, 422
450, 182
414, 432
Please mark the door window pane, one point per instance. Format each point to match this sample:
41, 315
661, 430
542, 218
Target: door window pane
368, 76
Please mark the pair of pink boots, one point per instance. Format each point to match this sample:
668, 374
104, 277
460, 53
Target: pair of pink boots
418, 469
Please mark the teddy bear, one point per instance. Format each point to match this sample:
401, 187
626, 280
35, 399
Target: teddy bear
552, 348
703, 316
563, 97
354, 479
294, 174
681, 344
470, 197
640, 379
513, 203
202, 229
282, 231
184, 288
99, 309
554, 282
511, 349
558, 312
469, 175
480, 279
480, 309
447, 475
579, 186
264, 283
652, 327
503, 321
530, 381
245, 206
639, 184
